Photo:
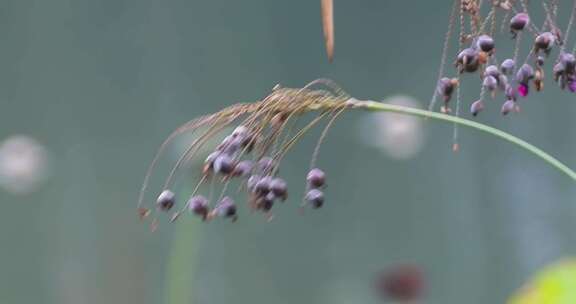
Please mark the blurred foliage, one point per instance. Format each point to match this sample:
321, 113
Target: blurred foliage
555, 284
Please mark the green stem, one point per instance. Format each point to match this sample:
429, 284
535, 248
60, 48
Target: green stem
378, 106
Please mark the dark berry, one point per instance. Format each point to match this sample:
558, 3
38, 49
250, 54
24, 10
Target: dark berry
485, 43
316, 178
476, 107
490, 83
519, 22
243, 168
279, 187
198, 205
508, 107
223, 164
166, 200
266, 202
262, 187
315, 198
507, 66
226, 208
468, 60
544, 42
525, 74
569, 62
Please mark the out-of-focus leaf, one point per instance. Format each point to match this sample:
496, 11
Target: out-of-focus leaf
555, 284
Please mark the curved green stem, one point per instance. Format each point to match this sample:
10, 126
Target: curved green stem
378, 106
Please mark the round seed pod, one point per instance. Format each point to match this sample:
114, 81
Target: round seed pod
166, 200
544, 42
490, 83
525, 74
315, 198
540, 60
262, 187
468, 60
519, 22
198, 204
316, 178
226, 208
266, 202
279, 188
445, 88
569, 62
223, 164
485, 43
507, 66
476, 107
243, 168
493, 71
510, 93
558, 70
508, 107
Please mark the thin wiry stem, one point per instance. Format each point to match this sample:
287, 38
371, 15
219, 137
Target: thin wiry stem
444, 53
550, 160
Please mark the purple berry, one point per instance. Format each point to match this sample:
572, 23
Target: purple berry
445, 88
166, 200
262, 187
507, 66
490, 83
223, 164
525, 74
315, 198
493, 71
523, 89
544, 42
279, 187
508, 107
198, 205
240, 131
226, 208
243, 168
476, 107
519, 22
569, 62
316, 178
485, 43
266, 202
468, 60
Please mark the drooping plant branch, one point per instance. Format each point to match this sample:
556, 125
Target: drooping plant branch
264, 133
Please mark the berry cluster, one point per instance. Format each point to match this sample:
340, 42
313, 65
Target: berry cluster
511, 77
250, 155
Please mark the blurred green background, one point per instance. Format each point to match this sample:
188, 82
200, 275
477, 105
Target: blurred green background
100, 83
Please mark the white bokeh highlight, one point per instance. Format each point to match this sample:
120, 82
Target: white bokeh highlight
396, 135
23, 164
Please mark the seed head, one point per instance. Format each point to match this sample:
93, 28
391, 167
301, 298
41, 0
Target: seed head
243, 168
519, 22
166, 200
316, 178
226, 208
476, 107
315, 198
279, 188
468, 60
508, 107
485, 43
223, 164
507, 66
525, 74
544, 42
490, 83
198, 205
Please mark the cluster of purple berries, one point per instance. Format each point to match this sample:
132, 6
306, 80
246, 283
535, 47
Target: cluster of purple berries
260, 179
509, 77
